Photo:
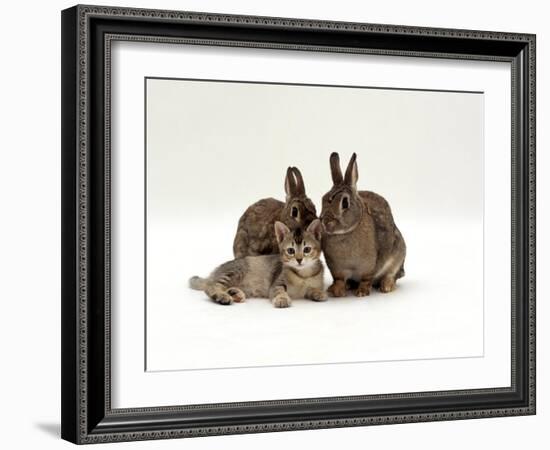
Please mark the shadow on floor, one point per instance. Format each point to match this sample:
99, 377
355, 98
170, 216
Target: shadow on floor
53, 429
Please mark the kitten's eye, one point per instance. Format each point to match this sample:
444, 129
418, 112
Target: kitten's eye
345, 203
294, 212
307, 250
290, 251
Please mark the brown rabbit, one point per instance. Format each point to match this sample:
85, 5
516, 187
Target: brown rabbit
256, 233
362, 245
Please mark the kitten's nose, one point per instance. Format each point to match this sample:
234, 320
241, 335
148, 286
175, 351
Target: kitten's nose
299, 260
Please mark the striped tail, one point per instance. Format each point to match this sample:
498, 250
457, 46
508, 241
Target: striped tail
198, 283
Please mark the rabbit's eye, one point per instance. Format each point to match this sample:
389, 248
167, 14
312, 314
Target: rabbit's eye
290, 251
294, 212
307, 250
345, 203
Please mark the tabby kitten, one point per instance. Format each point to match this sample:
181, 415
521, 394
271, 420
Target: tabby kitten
296, 272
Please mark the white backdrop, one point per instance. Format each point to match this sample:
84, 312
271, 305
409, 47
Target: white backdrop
213, 148
216, 147
31, 227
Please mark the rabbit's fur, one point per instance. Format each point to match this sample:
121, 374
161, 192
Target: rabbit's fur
362, 245
255, 232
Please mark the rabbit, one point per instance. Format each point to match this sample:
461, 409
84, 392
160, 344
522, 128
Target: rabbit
255, 232
362, 245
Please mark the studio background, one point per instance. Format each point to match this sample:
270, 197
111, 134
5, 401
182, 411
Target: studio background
30, 229
215, 147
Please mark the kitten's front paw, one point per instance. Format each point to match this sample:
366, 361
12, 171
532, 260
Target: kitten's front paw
237, 295
281, 301
318, 295
337, 289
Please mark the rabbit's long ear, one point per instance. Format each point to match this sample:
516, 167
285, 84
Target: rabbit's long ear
351, 172
300, 187
290, 183
335, 168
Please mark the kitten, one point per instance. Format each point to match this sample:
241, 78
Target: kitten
296, 272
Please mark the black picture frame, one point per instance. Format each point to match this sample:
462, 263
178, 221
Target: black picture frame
87, 416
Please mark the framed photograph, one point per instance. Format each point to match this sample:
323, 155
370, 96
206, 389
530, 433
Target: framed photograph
277, 224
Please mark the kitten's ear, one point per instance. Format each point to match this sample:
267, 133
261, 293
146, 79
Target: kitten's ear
300, 187
280, 231
316, 228
290, 184
335, 170
352, 173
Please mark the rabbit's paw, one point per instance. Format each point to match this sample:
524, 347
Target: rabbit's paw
364, 289
387, 284
337, 289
